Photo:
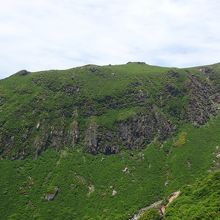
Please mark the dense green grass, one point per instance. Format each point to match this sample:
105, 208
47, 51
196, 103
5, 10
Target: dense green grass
24, 183
199, 201
73, 172
196, 155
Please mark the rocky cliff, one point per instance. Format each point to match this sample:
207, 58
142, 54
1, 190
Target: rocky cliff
54, 109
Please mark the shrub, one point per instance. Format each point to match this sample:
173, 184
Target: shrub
181, 140
151, 214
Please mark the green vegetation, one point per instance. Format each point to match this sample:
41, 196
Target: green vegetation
198, 201
151, 214
41, 111
24, 183
34, 104
181, 140
112, 116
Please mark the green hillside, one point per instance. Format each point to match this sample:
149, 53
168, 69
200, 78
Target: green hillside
199, 201
102, 142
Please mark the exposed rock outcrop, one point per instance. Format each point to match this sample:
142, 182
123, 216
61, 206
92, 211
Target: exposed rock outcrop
70, 89
156, 205
74, 133
22, 73
135, 132
91, 138
140, 130
137, 62
201, 101
52, 194
56, 137
159, 206
98, 140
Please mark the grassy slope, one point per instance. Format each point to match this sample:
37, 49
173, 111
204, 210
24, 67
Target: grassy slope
197, 154
24, 183
199, 201
74, 171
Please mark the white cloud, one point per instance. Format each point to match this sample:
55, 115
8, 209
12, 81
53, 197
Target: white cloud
37, 35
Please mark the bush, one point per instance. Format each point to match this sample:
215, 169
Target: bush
151, 214
181, 139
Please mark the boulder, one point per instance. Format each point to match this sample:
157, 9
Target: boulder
22, 73
52, 194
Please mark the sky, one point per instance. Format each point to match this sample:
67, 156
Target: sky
58, 34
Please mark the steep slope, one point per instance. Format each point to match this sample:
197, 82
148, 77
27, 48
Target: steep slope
106, 141
100, 187
199, 201
104, 109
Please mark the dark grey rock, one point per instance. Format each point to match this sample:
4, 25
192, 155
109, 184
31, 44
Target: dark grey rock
201, 104
141, 129
99, 140
133, 133
22, 73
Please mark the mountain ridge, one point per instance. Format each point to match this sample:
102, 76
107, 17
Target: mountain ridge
129, 62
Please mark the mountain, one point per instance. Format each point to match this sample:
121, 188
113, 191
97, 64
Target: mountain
102, 142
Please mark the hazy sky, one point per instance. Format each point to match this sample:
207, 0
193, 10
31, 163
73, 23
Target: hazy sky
45, 34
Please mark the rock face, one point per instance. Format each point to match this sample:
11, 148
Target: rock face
22, 73
91, 139
143, 128
159, 206
133, 133
56, 137
156, 205
74, 133
100, 141
201, 101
